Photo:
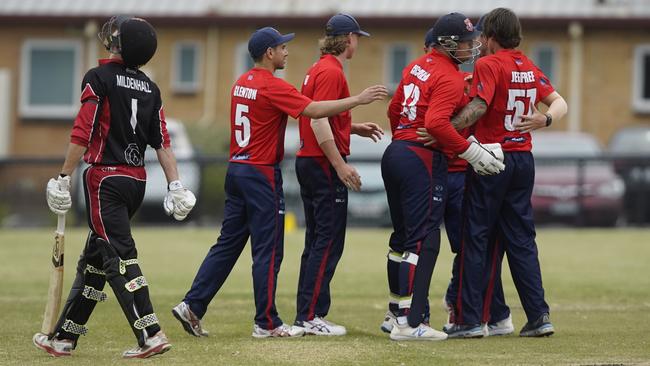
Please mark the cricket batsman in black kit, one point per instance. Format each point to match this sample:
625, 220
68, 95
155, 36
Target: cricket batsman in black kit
121, 113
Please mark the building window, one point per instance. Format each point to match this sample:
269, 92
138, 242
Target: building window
397, 57
545, 56
50, 78
187, 66
641, 79
243, 61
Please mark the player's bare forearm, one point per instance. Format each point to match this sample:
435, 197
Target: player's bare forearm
332, 153
323, 133
471, 113
167, 161
72, 157
557, 106
328, 108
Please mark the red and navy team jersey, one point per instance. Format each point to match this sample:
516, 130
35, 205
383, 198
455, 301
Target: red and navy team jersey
429, 94
121, 113
510, 84
325, 80
258, 116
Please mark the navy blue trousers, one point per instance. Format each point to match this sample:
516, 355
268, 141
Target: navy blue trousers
495, 308
415, 178
255, 208
325, 199
499, 206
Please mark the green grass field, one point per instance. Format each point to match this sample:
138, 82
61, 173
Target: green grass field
597, 283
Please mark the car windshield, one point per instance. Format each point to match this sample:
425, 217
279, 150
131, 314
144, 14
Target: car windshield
563, 144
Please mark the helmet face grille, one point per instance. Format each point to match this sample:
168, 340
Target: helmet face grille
109, 35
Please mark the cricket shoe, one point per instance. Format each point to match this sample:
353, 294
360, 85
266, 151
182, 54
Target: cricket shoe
283, 331
541, 327
422, 332
502, 327
155, 345
465, 331
388, 323
320, 326
55, 347
191, 323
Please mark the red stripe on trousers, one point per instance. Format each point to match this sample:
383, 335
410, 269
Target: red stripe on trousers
426, 156
487, 302
271, 276
325, 165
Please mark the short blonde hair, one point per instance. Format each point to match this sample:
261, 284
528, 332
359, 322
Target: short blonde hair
333, 45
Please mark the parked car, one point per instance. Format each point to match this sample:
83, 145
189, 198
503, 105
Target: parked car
156, 189
564, 192
631, 148
367, 207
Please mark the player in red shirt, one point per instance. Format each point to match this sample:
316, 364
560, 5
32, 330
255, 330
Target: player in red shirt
415, 176
325, 176
496, 313
506, 87
254, 208
113, 94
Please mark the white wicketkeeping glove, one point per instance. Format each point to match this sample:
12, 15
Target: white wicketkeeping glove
179, 201
483, 160
58, 195
495, 148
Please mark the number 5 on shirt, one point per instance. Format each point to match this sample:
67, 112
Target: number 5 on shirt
519, 102
242, 136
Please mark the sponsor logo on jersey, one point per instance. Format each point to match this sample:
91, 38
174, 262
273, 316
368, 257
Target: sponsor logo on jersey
516, 139
420, 73
523, 77
241, 157
244, 92
134, 84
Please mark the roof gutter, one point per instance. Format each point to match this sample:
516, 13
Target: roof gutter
317, 21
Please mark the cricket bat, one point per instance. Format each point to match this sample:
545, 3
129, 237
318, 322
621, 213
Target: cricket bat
53, 305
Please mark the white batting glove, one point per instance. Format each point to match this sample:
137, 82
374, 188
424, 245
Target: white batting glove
483, 160
179, 201
58, 195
